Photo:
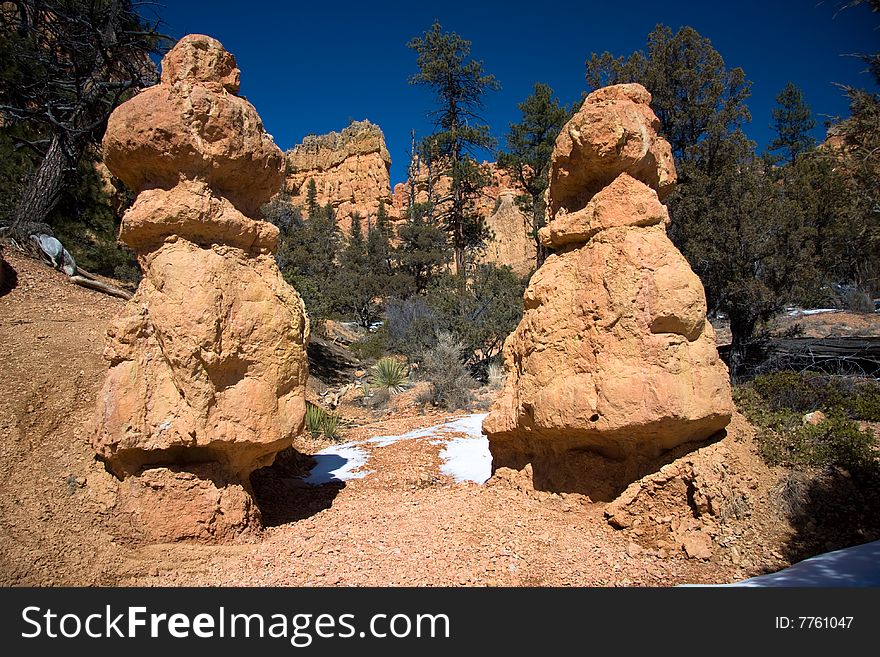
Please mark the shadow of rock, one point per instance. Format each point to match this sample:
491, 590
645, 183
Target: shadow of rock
8, 278
282, 494
831, 510
590, 473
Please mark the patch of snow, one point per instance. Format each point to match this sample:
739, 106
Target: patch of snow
797, 312
856, 566
467, 459
464, 459
472, 425
338, 463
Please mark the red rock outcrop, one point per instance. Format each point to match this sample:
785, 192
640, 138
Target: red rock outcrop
207, 362
511, 240
350, 170
613, 361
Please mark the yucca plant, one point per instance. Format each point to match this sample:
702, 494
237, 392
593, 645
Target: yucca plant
314, 419
320, 422
330, 426
389, 376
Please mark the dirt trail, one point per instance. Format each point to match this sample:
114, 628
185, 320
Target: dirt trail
404, 524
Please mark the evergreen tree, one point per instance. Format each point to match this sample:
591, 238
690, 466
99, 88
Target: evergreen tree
307, 254
313, 210
830, 199
698, 100
379, 236
65, 67
421, 252
792, 121
530, 145
357, 289
747, 238
459, 85
480, 310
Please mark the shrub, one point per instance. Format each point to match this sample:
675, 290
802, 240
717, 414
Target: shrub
481, 309
496, 376
371, 346
389, 375
776, 403
320, 422
444, 367
411, 326
857, 399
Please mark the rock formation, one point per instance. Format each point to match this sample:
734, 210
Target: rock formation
613, 362
511, 241
207, 362
350, 170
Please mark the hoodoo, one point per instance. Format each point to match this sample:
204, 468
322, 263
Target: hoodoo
207, 362
613, 362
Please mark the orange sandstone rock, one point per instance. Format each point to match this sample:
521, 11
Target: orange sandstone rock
207, 362
614, 355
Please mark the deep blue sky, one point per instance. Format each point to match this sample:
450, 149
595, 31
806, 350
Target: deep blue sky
311, 67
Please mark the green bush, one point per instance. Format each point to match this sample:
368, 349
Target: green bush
372, 346
389, 375
776, 404
857, 399
320, 422
835, 441
444, 367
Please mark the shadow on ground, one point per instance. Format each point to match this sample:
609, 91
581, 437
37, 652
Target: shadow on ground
590, 473
283, 496
829, 510
8, 278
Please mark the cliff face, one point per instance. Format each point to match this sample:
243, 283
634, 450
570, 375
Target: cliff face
350, 170
511, 241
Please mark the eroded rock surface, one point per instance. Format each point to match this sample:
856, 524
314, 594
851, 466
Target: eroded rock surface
208, 362
613, 362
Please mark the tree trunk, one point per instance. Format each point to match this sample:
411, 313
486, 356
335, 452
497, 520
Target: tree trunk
741, 329
43, 189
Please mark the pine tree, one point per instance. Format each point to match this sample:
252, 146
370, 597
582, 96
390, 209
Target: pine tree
530, 145
355, 285
459, 85
65, 67
312, 208
792, 121
698, 100
421, 253
748, 239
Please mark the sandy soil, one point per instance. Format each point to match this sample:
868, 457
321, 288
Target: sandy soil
404, 524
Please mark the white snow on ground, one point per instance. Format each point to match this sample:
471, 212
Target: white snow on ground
464, 459
850, 567
854, 566
467, 459
797, 312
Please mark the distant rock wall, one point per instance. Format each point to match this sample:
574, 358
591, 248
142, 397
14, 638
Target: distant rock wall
511, 240
350, 169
